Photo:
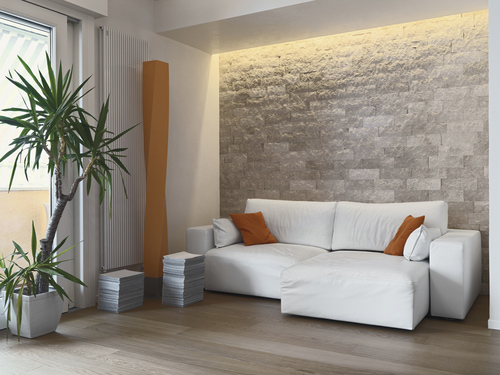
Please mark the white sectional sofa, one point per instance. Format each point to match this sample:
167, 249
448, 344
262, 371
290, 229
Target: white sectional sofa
329, 262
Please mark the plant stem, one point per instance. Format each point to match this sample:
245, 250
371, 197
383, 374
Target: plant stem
46, 243
29, 290
58, 182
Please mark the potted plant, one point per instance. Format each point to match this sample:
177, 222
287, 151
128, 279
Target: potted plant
52, 122
33, 315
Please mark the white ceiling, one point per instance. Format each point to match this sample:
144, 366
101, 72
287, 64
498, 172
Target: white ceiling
217, 26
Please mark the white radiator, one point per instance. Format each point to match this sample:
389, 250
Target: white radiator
121, 58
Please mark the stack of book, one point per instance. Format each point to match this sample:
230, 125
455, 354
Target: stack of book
183, 279
121, 290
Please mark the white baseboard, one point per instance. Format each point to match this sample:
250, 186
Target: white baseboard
494, 324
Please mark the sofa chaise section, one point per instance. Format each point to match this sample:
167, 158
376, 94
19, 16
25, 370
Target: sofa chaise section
359, 287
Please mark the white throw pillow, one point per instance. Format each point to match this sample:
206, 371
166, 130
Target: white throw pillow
418, 243
226, 233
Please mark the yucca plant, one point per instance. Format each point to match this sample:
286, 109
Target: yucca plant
52, 122
19, 278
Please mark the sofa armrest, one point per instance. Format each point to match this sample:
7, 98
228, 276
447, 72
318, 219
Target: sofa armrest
200, 239
455, 273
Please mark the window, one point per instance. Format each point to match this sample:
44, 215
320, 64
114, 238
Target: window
27, 200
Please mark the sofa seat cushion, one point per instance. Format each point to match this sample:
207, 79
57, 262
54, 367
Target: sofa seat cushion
356, 286
253, 270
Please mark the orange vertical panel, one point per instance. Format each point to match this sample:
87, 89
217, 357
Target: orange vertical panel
155, 103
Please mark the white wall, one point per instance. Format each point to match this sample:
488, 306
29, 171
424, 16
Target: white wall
193, 156
494, 128
96, 8
175, 14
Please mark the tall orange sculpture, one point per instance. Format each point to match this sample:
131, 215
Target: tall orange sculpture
155, 104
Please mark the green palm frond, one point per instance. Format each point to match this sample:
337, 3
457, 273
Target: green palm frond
52, 122
19, 278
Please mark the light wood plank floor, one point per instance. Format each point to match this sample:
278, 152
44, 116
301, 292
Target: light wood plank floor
230, 334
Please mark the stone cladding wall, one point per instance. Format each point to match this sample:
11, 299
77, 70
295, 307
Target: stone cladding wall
391, 114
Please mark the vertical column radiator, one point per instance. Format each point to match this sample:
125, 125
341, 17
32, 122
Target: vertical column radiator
121, 58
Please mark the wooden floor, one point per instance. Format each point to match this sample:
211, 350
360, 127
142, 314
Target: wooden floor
229, 334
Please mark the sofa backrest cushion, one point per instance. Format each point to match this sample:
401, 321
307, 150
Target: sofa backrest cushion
297, 222
371, 226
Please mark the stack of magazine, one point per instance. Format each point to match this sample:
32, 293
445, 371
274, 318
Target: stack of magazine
121, 290
183, 279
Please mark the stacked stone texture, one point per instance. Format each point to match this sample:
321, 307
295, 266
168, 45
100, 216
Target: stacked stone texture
392, 114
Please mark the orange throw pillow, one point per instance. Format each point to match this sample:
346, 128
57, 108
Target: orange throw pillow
397, 244
253, 228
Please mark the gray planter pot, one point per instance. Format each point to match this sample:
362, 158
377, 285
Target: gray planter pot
3, 317
41, 314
